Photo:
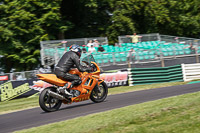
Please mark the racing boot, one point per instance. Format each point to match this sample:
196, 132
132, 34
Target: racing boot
65, 90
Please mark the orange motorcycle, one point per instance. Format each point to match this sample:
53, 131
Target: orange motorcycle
92, 87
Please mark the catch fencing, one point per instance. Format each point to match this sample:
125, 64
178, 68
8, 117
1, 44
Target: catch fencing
145, 38
121, 58
167, 49
17, 76
151, 48
51, 51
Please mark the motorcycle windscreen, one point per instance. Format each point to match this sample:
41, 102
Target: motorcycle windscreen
87, 59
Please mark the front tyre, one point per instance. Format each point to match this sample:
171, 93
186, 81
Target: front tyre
99, 93
49, 103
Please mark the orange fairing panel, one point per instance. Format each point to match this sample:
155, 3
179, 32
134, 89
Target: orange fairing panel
51, 78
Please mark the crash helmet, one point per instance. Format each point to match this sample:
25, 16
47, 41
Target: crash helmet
75, 48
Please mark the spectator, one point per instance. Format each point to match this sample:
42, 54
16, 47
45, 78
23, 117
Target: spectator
91, 49
96, 43
134, 37
89, 43
84, 49
100, 48
131, 57
192, 48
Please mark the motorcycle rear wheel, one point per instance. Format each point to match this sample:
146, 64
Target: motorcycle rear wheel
99, 96
49, 103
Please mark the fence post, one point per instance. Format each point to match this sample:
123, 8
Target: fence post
161, 57
114, 61
197, 56
158, 37
183, 72
23, 75
130, 82
129, 64
162, 62
85, 40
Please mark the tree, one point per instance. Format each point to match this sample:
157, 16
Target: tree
89, 17
171, 17
24, 24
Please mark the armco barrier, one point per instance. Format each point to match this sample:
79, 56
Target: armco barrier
191, 71
155, 75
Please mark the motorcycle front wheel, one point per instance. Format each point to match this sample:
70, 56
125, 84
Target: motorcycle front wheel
99, 93
49, 103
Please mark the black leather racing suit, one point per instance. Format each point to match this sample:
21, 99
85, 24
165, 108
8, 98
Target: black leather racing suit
68, 61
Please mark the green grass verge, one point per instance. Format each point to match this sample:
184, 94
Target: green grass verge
25, 103
18, 104
124, 89
179, 114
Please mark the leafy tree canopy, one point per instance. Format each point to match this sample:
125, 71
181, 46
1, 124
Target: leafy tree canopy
24, 23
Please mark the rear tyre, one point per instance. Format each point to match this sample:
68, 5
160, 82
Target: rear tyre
49, 103
99, 94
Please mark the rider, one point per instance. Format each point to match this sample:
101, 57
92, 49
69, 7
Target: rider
70, 60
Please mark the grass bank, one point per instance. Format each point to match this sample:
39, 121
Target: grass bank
124, 89
175, 114
26, 103
18, 104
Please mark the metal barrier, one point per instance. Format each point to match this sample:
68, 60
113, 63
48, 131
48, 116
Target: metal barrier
26, 75
145, 37
122, 58
175, 39
163, 48
191, 71
77, 41
51, 51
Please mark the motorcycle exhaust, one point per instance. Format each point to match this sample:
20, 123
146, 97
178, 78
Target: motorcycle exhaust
56, 95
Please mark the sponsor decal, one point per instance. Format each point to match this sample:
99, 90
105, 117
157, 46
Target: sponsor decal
40, 85
8, 92
3, 78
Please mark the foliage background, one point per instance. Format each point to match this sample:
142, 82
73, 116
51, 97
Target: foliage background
24, 23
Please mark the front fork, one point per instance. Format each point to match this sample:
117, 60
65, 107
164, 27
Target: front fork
97, 89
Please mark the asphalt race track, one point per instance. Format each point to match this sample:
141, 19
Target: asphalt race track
36, 117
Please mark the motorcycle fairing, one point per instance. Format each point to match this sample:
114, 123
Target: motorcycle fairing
52, 79
85, 88
89, 87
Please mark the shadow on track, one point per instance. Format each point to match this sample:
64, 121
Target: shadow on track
73, 106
